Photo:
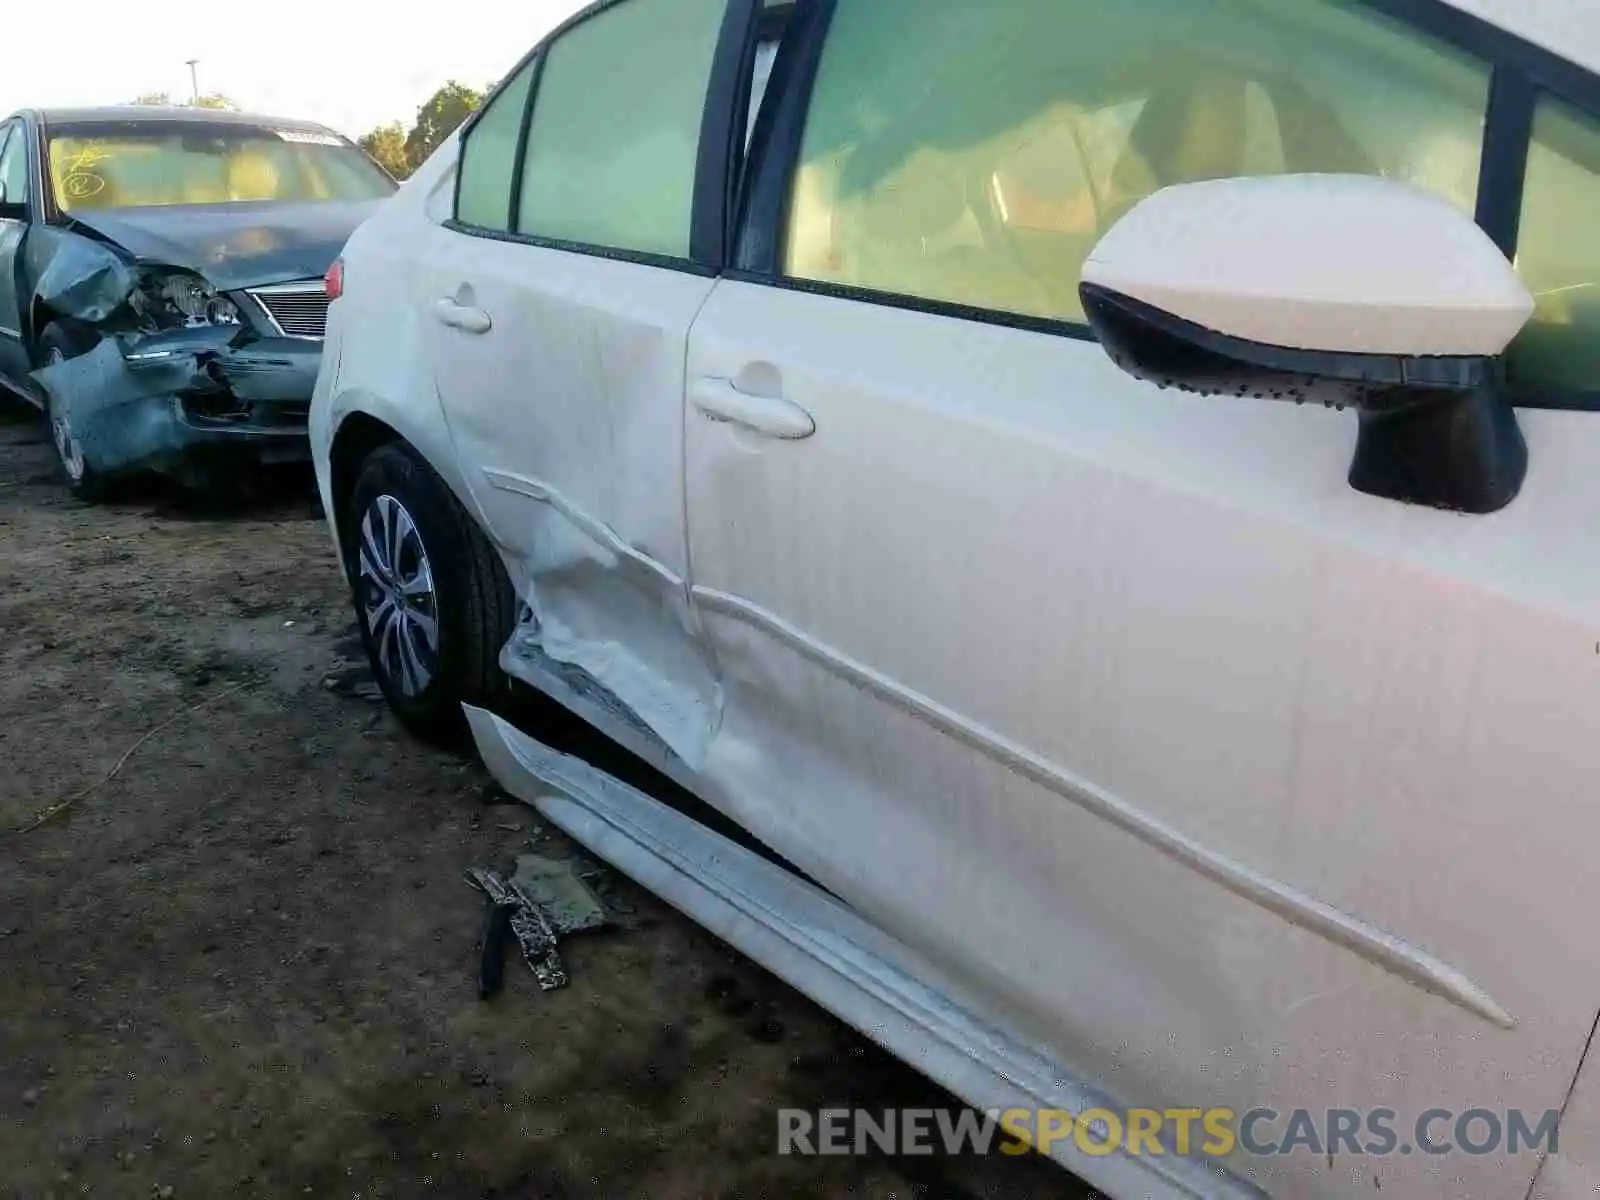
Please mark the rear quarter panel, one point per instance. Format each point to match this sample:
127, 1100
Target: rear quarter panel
373, 360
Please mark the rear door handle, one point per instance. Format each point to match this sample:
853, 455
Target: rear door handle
719, 400
462, 316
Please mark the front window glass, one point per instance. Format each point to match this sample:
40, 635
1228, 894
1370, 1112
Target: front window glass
1558, 253
128, 164
974, 153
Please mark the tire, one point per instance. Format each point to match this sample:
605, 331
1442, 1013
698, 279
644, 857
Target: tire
473, 607
60, 341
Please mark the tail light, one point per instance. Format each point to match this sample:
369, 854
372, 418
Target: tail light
333, 281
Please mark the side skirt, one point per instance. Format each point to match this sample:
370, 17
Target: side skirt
824, 950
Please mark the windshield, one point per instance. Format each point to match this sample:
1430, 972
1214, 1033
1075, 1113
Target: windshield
136, 164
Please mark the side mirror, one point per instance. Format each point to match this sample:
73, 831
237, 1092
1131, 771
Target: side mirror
14, 210
1342, 290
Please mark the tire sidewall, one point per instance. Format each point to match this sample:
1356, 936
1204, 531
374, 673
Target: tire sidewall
395, 471
73, 339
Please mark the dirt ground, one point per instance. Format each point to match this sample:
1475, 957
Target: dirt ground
245, 963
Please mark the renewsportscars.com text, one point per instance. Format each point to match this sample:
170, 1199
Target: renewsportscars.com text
1203, 1132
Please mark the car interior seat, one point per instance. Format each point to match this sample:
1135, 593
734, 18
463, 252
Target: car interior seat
1186, 133
252, 175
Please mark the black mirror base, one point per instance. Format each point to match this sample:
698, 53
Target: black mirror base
1435, 431
1462, 451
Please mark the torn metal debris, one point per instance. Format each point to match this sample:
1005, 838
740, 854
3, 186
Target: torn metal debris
84, 279
543, 900
145, 399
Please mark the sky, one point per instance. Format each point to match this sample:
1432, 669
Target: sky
349, 64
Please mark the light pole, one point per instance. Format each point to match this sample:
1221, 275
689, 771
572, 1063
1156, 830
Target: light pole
194, 81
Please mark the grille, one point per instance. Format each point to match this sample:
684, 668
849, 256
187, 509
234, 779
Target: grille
298, 309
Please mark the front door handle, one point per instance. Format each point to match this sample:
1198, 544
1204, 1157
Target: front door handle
719, 400
462, 316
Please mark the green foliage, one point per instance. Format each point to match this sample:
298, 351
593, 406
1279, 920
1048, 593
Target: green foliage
387, 147
439, 118
165, 100
400, 152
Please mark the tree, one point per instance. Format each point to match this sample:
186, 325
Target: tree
439, 118
387, 146
165, 100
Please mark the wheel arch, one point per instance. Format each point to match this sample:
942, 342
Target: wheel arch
358, 435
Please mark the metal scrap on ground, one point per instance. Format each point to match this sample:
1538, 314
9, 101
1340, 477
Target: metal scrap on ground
543, 900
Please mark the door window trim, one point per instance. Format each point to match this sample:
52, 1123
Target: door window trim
1521, 74
721, 122
15, 129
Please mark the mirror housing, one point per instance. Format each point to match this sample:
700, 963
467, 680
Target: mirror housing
1343, 290
13, 210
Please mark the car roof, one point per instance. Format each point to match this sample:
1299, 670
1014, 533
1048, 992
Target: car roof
173, 112
1569, 29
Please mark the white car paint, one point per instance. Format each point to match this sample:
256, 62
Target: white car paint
1571, 1174
1570, 28
586, 495
1319, 262
1189, 688
824, 949
1198, 774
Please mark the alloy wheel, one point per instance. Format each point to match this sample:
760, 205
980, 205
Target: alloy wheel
67, 448
397, 596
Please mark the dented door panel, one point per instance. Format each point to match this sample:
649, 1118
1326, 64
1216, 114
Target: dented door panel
1220, 781
567, 410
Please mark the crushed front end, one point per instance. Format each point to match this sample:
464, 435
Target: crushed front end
175, 377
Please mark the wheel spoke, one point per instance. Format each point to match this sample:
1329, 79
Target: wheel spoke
390, 514
372, 550
427, 626
382, 614
387, 640
404, 532
397, 597
416, 675
419, 581
369, 568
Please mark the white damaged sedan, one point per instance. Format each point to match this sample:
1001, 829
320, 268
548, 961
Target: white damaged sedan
1106, 490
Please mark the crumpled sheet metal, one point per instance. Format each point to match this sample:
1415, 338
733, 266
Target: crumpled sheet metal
121, 401
120, 416
585, 584
560, 894
86, 280
545, 900
262, 375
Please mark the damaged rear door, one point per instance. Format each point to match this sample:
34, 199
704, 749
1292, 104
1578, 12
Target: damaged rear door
14, 213
561, 295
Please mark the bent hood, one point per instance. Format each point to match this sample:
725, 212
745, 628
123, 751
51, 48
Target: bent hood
234, 245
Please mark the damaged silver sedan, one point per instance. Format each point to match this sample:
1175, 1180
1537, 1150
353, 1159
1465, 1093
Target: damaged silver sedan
161, 283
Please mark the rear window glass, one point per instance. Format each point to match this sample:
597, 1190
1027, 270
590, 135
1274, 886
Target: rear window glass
124, 164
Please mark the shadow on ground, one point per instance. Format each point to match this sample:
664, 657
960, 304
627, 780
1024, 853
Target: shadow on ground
244, 963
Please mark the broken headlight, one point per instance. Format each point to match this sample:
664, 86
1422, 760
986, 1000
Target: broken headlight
179, 300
